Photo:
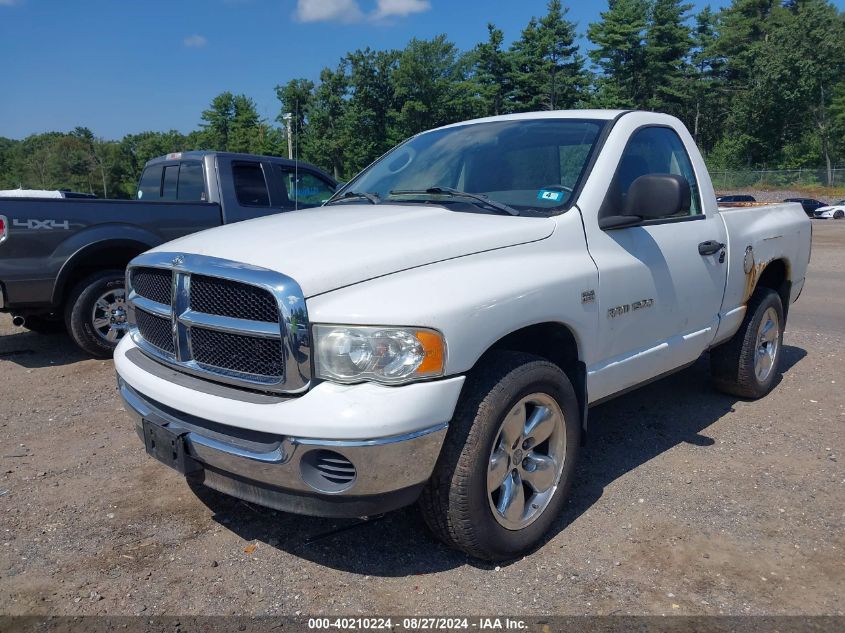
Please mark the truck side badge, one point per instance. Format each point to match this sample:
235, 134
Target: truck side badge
588, 296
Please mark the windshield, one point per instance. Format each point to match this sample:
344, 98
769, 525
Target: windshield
528, 165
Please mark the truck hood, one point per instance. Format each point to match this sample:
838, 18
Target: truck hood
331, 247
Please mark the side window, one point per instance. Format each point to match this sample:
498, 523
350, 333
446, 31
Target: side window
191, 182
149, 188
306, 191
250, 186
654, 150
169, 184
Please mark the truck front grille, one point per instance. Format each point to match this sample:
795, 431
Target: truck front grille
226, 321
154, 284
155, 330
232, 299
237, 353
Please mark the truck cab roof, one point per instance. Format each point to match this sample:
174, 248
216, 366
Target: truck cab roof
202, 153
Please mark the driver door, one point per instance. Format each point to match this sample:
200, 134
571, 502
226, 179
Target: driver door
659, 298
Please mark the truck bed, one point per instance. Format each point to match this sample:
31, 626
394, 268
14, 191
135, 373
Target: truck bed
44, 233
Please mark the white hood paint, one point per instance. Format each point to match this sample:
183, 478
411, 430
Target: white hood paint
331, 247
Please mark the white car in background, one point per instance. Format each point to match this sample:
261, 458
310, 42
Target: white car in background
834, 211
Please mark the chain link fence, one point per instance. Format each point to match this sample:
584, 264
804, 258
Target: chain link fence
777, 178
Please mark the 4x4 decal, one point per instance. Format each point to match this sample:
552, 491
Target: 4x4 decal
42, 224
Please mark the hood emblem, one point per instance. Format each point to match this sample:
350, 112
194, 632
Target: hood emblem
178, 260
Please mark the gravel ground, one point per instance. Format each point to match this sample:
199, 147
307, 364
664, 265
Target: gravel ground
686, 502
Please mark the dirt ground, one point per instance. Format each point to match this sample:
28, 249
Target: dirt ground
686, 502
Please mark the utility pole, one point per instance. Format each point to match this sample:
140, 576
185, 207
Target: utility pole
288, 118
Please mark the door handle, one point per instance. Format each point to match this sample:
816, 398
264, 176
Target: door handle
710, 247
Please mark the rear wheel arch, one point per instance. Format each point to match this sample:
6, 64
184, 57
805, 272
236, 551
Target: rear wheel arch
101, 255
777, 276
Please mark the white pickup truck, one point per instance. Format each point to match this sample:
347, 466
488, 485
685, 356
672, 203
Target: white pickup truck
438, 330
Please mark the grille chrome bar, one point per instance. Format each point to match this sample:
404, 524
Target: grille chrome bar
153, 307
232, 325
242, 352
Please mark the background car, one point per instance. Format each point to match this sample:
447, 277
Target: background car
736, 198
835, 211
810, 204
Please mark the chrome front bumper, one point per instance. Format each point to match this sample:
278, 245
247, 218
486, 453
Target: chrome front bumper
279, 471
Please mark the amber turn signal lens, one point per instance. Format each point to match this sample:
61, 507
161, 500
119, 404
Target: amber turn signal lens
435, 357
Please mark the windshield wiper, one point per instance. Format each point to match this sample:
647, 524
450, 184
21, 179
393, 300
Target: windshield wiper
479, 197
372, 198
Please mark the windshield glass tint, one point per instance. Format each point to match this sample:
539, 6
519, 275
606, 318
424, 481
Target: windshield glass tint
526, 164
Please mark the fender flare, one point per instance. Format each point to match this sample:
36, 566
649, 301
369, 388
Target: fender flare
98, 238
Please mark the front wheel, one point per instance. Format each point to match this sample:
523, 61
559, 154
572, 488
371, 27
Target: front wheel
507, 464
838, 215
95, 313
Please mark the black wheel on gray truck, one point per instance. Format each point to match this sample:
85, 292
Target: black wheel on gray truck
95, 313
507, 464
747, 365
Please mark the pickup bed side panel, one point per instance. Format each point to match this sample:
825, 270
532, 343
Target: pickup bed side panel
46, 235
767, 233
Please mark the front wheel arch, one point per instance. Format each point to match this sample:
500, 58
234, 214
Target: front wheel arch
555, 342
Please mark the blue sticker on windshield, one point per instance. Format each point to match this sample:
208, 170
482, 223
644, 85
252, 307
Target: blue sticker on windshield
550, 195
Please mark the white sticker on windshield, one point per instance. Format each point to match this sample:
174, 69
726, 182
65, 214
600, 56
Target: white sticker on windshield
550, 195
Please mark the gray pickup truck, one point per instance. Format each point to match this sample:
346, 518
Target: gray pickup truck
62, 260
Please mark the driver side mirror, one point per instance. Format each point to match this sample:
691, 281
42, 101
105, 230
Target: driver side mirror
651, 197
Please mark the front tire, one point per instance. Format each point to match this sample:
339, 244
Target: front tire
838, 215
507, 464
95, 313
747, 365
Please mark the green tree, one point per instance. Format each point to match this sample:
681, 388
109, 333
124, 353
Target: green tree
548, 69
326, 135
619, 54
705, 85
246, 130
295, 97
493, 72
370, 105
667, 47
217, 121
431, 88
782, 70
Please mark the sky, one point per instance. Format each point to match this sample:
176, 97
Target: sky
125, 67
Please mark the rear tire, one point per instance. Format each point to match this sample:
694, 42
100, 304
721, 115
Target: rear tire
511, 395
95, 313
747, 365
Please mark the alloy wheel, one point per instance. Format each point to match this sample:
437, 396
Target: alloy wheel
526, 461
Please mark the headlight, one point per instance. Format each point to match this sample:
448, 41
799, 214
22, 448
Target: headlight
351, 353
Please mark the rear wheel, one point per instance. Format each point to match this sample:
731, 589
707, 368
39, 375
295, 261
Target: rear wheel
747, 365
95, 313
507, 464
